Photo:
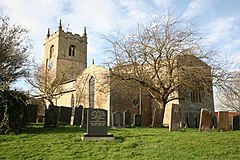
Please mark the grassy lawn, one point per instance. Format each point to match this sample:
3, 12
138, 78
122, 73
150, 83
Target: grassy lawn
131, 143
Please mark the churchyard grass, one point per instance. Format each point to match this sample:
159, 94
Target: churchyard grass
130, 143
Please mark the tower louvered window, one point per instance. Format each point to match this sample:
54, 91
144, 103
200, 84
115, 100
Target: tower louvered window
72, 50
196, 96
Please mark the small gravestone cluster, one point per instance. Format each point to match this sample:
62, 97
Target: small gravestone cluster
55, 115
124, 119
204, 121
208, 120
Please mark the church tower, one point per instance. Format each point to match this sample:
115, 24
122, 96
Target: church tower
65, 53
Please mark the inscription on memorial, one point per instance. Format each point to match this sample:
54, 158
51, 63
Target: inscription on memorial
98, 118
96, 122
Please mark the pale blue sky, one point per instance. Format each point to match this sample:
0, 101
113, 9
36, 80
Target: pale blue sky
219, 20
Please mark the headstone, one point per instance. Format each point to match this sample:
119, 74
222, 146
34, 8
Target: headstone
205, 120
157, 118
97, 125
56, 109
84, 118
191, 120
51, 118
197, 120
31, 111
137, 120
117, 119
214, 121
175, 118
222, 121
78, 115
65, 114
127, 119
235, 123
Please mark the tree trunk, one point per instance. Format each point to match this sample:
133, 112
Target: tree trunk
51, 102
158, 116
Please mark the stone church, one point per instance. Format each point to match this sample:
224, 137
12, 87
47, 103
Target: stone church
86, 85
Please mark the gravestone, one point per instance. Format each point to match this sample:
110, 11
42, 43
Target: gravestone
214, 121
97, 125
31, 112
197, 120
65, 114
191, 120
235, 123
222, 121
175, 117
137, 120
84, 118
117, 119
78, 115
51, 118
205, 120
157, 118
56, 109
127, 119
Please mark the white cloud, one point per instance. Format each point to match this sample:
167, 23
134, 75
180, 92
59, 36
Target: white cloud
224, 32
101, 17
195, 8
98, 16
165, 4
222, 28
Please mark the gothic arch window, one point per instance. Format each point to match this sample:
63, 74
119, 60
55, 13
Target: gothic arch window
51, 51
91, 92
72, 50
73, 104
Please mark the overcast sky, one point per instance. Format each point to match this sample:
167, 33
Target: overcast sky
219, 20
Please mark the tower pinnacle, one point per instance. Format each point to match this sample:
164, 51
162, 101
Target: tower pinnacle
60, 25
85, 32
48, 33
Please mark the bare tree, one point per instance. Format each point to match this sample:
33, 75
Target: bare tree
229, 97
45, 84
14, 48
166, 59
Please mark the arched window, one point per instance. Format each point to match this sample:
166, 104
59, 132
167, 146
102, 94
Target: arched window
72, 50
72, 101
91, 92
73, 104
51, 51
